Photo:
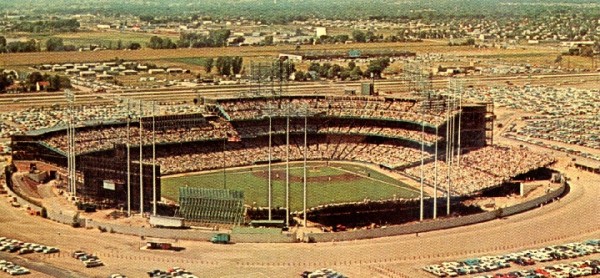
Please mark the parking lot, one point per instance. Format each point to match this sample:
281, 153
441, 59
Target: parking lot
529, 257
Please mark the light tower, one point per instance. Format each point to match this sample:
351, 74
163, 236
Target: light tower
71, 154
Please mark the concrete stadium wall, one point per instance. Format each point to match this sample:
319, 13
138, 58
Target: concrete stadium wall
431, 225
264, 238
186, 234
68, 218
148, 231
533, 203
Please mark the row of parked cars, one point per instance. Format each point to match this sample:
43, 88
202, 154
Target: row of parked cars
13, 246
526, 257
565, 270
88, 260
174, 272
322, 273
12, 269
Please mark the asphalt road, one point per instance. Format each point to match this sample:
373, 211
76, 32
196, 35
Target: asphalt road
573, 218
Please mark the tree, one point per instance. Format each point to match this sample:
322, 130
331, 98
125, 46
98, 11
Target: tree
236, 64
5, 81
351, 65
299, 76
223, 65
119, 45
314, 67
54, 44
359, 36
238, 40
134, 46
208, 64
268, 40
146, 18
333, 71
356, 73
155, 42
33, 78
219, 37
2, 41
376, 67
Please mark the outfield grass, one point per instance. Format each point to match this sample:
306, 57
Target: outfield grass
378, 186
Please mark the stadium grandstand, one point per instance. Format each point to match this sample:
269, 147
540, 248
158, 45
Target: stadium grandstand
385, 131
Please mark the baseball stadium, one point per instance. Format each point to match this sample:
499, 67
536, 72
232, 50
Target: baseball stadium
329, 160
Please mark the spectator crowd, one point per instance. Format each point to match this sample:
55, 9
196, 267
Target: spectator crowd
482, 168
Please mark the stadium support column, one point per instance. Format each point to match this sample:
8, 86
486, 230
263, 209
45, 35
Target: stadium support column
287, 168
422, 161
153, 160
128, 163
141, 168
435, 181
304, 179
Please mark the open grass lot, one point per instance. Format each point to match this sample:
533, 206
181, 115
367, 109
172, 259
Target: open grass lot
103, 38
348, 183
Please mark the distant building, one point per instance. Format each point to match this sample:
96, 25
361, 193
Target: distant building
320, 31
291, 57
156, 71
103, 26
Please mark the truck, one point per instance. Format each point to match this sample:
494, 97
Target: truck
166, 222
220, 238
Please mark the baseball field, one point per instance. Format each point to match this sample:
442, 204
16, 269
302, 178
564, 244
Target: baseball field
326, 184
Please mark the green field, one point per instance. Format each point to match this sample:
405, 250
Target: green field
348, 183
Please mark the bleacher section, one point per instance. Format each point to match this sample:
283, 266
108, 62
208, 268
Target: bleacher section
206, 206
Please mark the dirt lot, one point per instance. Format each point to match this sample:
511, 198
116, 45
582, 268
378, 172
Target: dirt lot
16, 59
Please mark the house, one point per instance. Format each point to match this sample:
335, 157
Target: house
129, 72
320, 31
105, 77
174, 70
87, 74
156, 71
291, 57
41, 85
73, 71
